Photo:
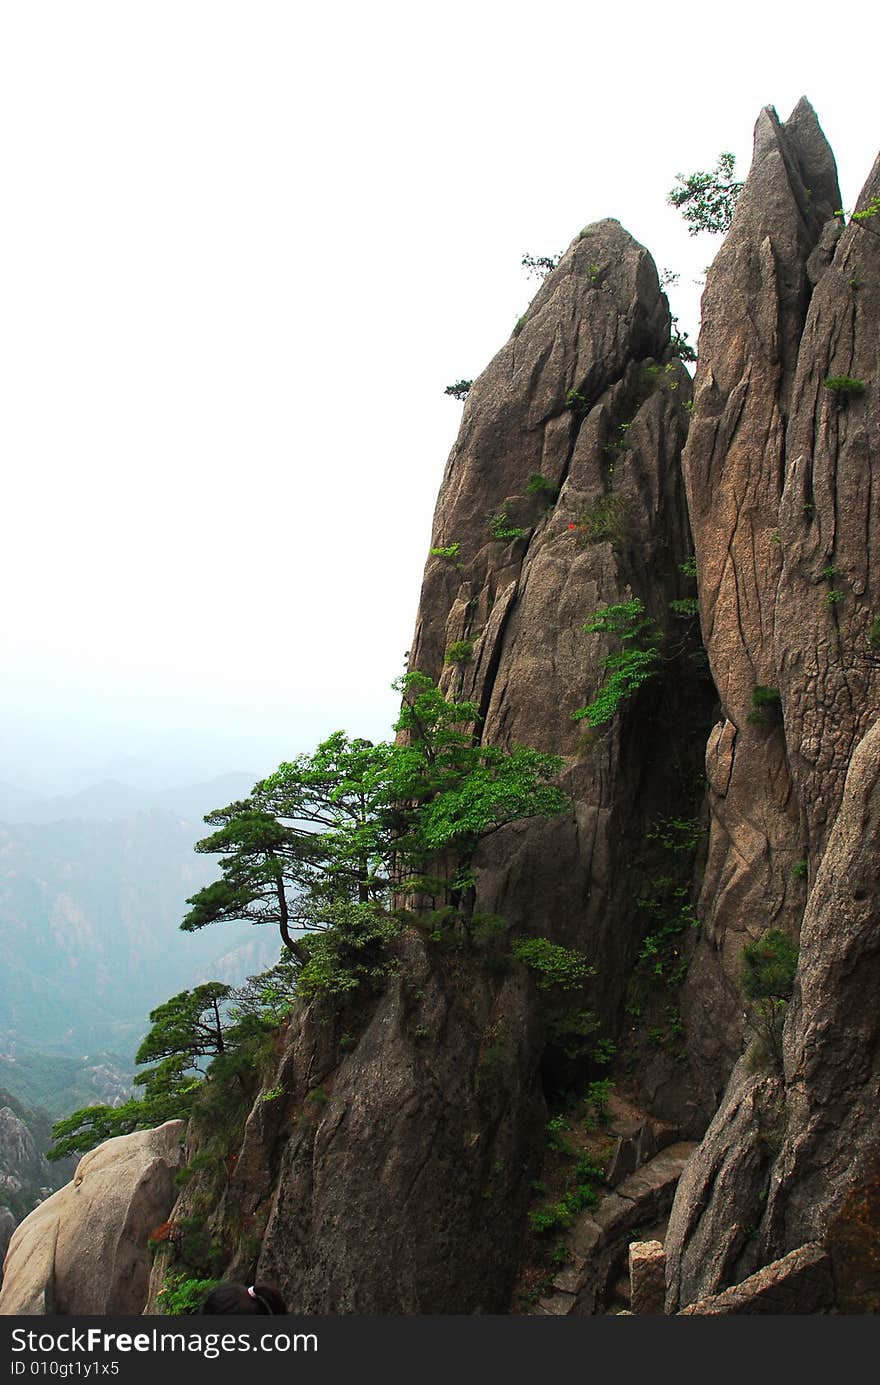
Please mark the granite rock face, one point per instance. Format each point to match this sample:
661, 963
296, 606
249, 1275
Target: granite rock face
84, 1250
819, 1138
711, 1238
754, 310
399, 1165
385, 1168
21, 1164
800, 1282
7, 1226
588, 396
647, 1265
826, 1179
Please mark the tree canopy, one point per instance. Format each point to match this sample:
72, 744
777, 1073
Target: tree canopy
328, 849
331, 839
210, 1031
707, 200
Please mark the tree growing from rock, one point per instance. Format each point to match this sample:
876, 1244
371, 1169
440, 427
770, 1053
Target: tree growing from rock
707, 200
328, 842
185, 1029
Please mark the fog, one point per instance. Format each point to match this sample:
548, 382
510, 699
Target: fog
244, 251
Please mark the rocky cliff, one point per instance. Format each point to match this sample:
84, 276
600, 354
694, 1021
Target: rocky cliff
382, 1161
25, 1175
589, 395
584, 476
792, 1157
413, 1146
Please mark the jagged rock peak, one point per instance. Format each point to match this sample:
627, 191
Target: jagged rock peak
810, 163
599, 311
755, 307
790, 582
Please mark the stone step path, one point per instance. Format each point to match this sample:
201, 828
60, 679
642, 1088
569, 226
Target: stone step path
645, 1168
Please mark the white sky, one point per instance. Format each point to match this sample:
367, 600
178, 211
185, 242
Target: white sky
244, 248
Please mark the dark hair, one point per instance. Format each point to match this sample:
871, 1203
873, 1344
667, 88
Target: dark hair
238, 1298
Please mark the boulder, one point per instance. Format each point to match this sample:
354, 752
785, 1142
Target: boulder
647, 1277
84, 1251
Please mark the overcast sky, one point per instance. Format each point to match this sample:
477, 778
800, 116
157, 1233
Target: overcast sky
244, 248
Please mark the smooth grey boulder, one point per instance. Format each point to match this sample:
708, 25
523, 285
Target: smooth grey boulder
84, 1251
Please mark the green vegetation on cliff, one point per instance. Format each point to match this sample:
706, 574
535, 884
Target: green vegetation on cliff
326, 849
326, 843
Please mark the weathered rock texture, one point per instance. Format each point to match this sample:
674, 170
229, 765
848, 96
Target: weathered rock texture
647, 1277
85, 1249
599, 328
794, 1157
7, 1226
21, 1164
389, 1174
392, 1174
801, 1282
754, 310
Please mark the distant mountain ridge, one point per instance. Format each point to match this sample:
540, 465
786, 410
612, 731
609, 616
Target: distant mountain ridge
111, 800
93, 887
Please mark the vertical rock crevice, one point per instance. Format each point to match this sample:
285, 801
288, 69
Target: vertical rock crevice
819, 1131
754, 313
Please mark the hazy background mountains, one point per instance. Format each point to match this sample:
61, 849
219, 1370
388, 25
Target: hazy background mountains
93, 887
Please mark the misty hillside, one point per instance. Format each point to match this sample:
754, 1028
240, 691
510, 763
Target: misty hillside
89, 931
111, 799
57, 1085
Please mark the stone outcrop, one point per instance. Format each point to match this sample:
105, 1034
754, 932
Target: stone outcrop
754, 310
588, 396
85, 1249
413, 1146
728, 1172
7, 1226
647, 1277
388, 1173
801, 1282
21, 1164
794, 1157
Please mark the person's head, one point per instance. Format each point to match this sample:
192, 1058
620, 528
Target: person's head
249, 1301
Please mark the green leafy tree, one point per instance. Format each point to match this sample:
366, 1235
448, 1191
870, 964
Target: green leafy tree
189, 1030
459, 390
540, 265
328, 841
325, 849
448, 793
312, 839
867, 213
707, 200
628, 668
189, 1026
269, 995
767, 977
